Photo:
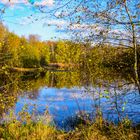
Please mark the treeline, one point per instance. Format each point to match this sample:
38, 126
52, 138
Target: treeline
101, 61
18, 51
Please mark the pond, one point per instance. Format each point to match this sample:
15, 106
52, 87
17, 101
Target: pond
67, 94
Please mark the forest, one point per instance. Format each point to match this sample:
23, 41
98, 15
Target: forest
21, 52
31, 53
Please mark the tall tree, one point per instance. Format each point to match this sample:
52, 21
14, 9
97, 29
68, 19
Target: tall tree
102, 22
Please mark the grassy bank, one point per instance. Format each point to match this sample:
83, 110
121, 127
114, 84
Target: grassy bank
99, 130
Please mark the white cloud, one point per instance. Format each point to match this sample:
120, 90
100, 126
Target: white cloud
39, 3
14, 1
25, 21
15, 4
58, 23
44, 3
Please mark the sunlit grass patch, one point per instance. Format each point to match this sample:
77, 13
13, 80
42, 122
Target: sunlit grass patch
99, 129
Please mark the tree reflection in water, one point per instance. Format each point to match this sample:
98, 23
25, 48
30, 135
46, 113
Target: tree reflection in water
65, 93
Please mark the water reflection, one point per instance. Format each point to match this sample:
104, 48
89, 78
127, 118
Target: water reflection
65, 94
63, 103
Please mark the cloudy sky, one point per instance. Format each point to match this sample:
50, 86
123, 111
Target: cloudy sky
24, 17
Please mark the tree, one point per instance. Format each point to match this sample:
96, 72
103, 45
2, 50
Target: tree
3, 34
68, 52
11, 46
105, 22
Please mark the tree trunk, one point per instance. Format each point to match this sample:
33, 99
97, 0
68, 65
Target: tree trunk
135, 58
134, 47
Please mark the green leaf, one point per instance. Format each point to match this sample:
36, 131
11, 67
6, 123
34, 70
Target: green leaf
123, 108
106, 92
107, 97
101, 95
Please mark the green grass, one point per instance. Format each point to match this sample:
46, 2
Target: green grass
99, 130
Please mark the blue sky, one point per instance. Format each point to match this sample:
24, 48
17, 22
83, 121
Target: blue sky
24, 18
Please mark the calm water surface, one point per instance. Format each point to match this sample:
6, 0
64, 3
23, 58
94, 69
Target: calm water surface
64, 95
